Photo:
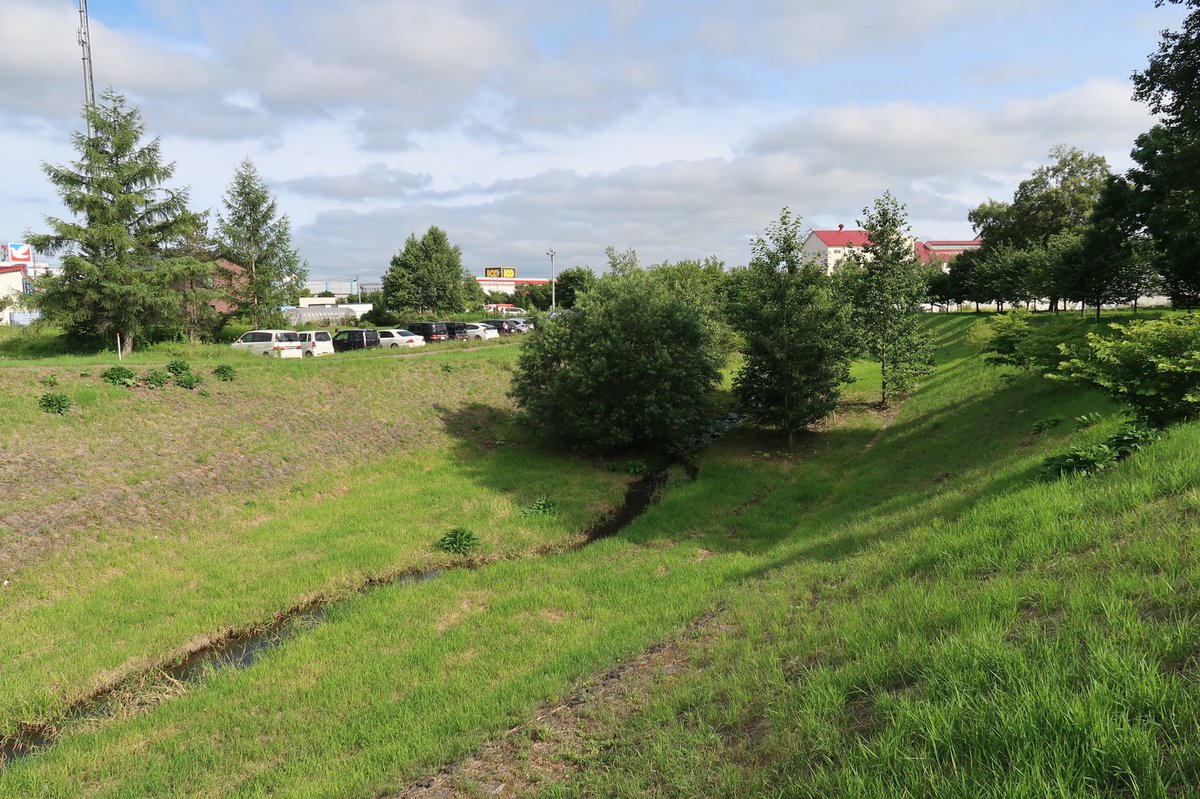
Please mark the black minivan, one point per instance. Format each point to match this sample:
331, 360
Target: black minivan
456, 330
355, 339
430, 331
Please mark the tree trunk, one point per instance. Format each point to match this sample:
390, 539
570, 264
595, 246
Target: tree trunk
1097, 313
126, 345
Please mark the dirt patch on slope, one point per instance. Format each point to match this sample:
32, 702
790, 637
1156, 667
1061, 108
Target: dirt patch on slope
541, 751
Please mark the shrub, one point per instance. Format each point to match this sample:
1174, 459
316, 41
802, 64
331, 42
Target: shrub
54, 403
178, 366
637, 362
1079, 460
225, 373
119, 376
49, 381
1151, 366
1019, 339
156, 378
1008, 333
188, 380
1043, 425
459, 541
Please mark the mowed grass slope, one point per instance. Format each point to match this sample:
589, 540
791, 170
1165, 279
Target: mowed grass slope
147, 523
918, 616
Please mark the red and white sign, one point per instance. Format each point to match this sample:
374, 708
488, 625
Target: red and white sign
20, 253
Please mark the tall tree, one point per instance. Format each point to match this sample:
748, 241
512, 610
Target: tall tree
426, 275
253, 234
119, 273
795, 331
887, 289
572, 283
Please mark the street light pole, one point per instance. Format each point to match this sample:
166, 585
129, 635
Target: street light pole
552, 253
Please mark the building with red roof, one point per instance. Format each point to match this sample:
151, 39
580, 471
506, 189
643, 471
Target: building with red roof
830, 247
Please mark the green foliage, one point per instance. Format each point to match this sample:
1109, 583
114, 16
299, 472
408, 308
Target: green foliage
156, 378
188, 380
49, 381
572, 283
1152, 366
178, 366
120, 269
1093, 458
795, 333
119, 376
1086, 420
427, 275
542, 506
636, 363
1045, 425
636, 467
252, 234
459, 541
1008, 333
887, 287
54, 403
225, 373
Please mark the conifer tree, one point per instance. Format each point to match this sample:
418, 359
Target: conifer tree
252, 234
120, 265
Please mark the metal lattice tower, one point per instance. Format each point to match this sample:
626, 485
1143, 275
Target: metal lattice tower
85, 41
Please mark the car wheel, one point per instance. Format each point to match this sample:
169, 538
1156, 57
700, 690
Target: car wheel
308, 354
266, 355
395, 346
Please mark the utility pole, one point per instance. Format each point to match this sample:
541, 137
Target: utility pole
89, 85
552, 253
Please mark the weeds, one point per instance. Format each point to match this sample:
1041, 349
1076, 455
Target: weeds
156, 378
542, 506
119, 376
54, 403
1098, 457
188, 380
225, 373
1045, 425
178, 366
1084, 421
459, 541
49, 381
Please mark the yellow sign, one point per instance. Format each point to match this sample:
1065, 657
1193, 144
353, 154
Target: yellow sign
498, 271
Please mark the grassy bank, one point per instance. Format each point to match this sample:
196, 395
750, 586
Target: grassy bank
906, 613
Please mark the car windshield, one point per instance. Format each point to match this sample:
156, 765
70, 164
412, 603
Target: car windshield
289, 336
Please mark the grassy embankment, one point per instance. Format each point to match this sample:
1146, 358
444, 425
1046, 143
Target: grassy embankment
919, 617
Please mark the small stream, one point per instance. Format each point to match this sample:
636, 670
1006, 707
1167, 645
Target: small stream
240, 650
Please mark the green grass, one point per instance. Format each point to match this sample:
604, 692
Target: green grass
922, 618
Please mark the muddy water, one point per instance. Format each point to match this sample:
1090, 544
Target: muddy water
241, 649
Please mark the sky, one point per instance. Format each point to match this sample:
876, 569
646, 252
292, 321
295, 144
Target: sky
677, 129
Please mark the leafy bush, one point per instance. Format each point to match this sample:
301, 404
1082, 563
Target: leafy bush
1152, 366
1008, 332
178, 366
1097, 457
1079, 460
637, 362
1022, 340
119, 376
188, 380
49, 381
156, 378
459, 541
54, 403
636, 467
225, 373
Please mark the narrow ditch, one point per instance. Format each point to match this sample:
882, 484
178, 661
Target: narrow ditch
242, 648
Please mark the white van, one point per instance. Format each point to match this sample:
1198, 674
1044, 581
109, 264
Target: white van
315, 343
277, 343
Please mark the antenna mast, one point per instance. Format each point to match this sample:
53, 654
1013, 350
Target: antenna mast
89, 86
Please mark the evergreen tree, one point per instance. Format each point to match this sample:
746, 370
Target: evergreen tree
119, 272
887, 290
253, 235
797, 345
426, 275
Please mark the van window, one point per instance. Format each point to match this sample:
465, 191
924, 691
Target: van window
322, 336
288, 336
259, 337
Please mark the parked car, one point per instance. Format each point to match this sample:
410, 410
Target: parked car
512, 310
391, 338
481, 332
505, 327
276, 343
456, 330
430, 331
522, 325
355, 338
315, 343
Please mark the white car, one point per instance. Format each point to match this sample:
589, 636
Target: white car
392, 338
478, 332
523, 325
277, 343
315, 343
